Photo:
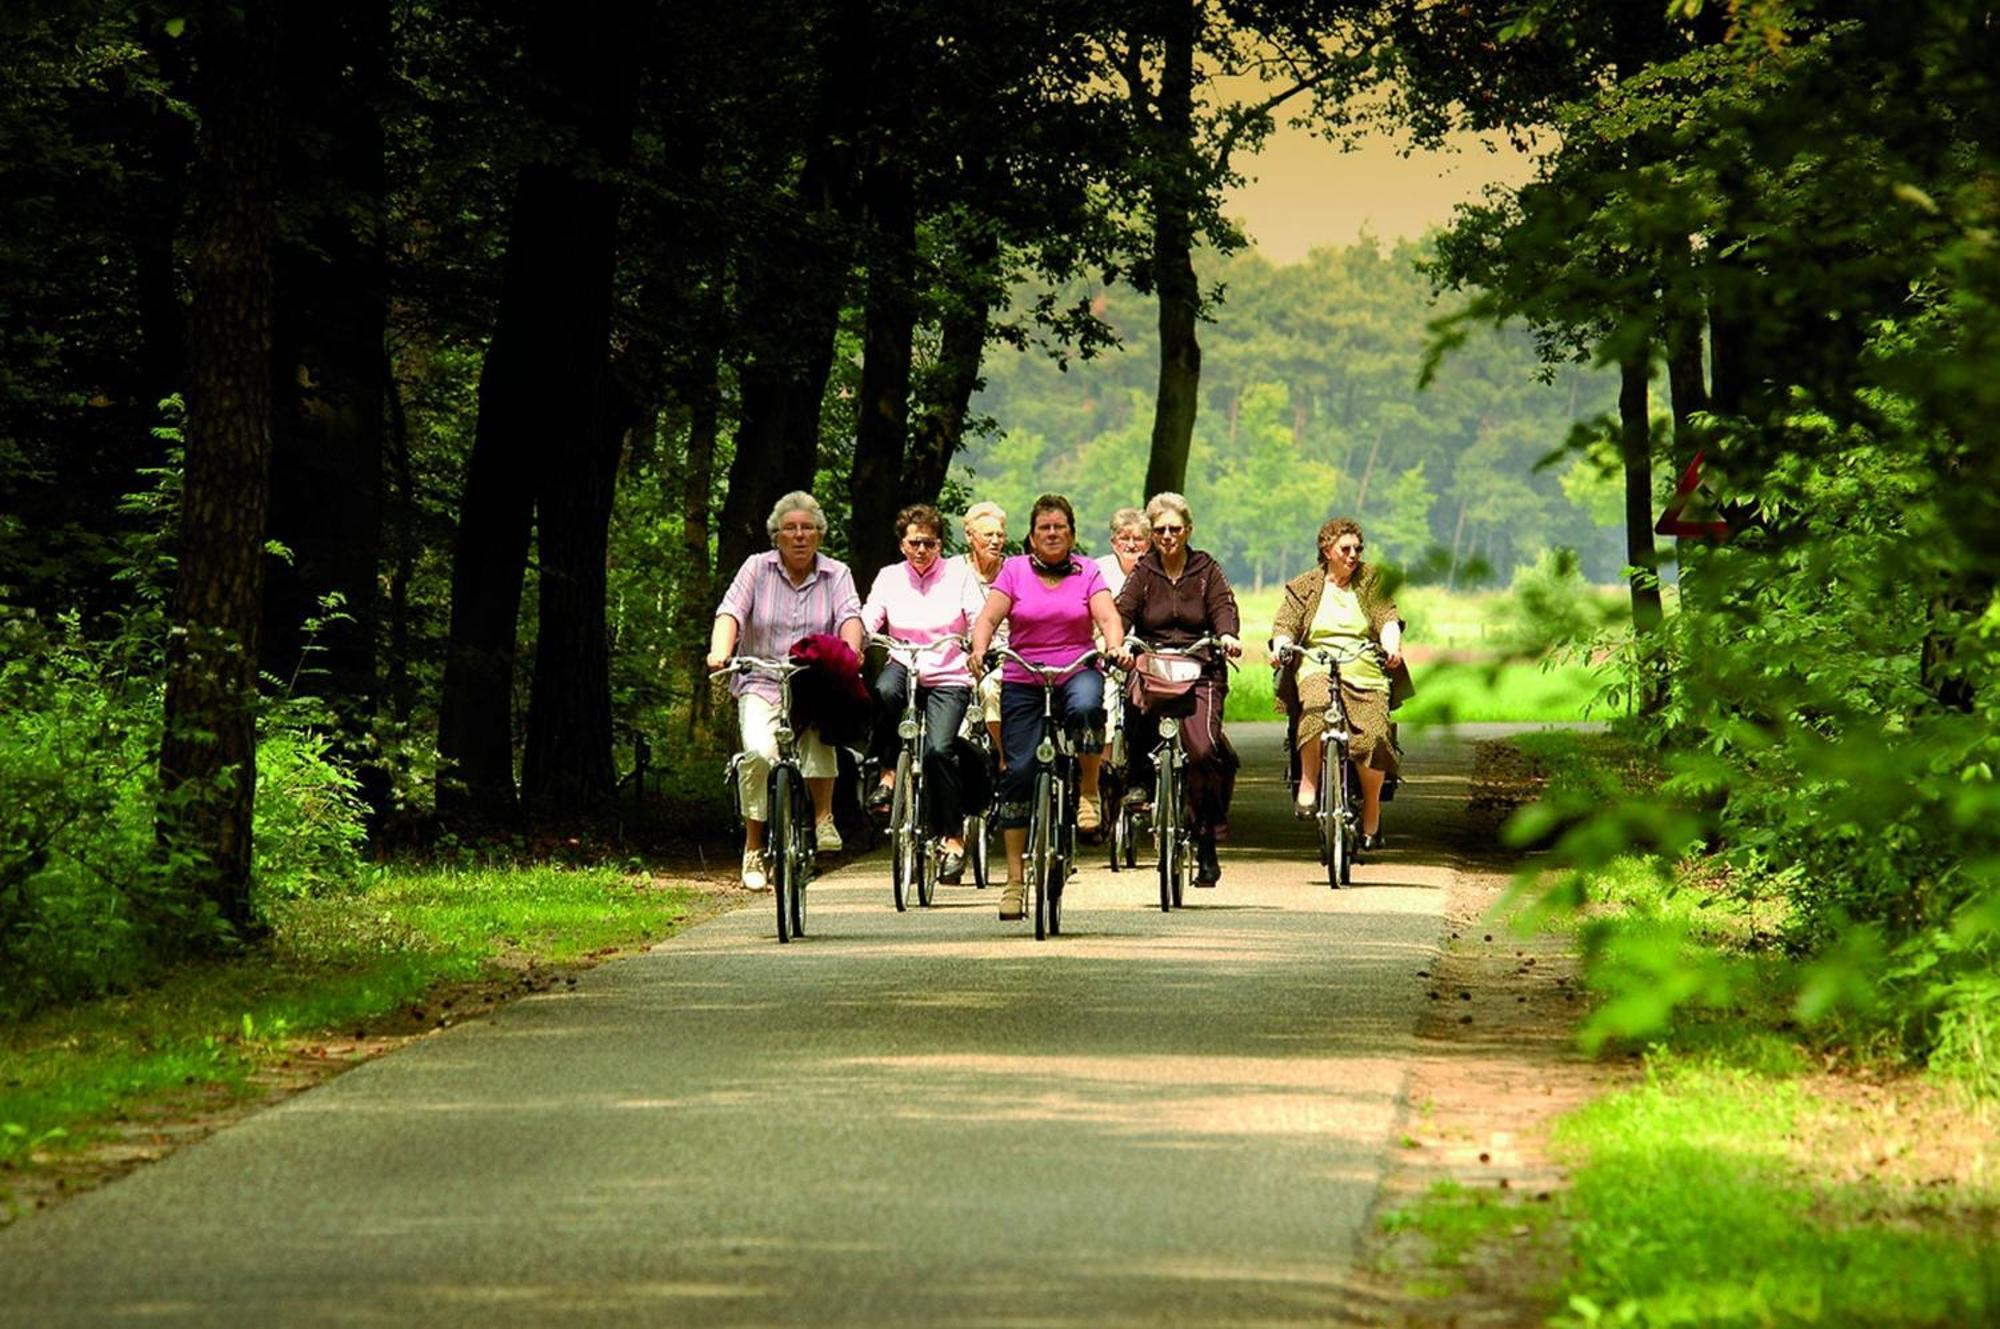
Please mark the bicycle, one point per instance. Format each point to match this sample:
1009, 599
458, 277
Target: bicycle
1125, 819
1337, 811
914, 853
979, 828
1051, 853
788, 834
1173, 819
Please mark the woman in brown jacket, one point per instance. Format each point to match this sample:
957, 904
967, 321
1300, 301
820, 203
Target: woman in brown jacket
1173, 597
1342, 603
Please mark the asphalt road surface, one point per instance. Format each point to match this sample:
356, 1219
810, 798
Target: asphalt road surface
918, 1118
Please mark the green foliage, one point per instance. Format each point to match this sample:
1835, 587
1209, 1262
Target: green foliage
1310, 408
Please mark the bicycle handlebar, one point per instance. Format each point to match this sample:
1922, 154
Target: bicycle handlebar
755, 664
1047, 674
1210, 643
916, 648
1326, 655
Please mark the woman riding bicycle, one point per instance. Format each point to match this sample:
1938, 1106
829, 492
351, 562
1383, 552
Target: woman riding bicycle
1049, 599
1128, 546
1342, 604
985, 550
925, 598
1176, 596
776, 598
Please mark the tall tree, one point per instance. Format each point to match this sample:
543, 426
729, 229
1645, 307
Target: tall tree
329, 416
208, 752
542, 383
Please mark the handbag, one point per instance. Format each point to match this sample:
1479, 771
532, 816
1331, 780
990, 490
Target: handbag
1159, 677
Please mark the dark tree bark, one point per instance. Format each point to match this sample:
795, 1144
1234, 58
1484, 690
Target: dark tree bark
1635, 441
540, 406
877, 487
698, 384
208, 753
939, 430
1174, 280
403, 543
330, 326
793, 287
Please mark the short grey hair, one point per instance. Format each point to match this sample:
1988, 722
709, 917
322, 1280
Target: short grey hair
1127, 517
984, 508
796, 501
1168, 501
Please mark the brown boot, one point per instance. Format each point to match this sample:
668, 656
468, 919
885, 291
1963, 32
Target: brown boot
1013, 902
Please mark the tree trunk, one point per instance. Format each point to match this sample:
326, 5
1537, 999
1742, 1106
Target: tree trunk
700, 390
1635, 440
945, 395
1173, 259
541, 383
793, 290
566, 762
1367, 474
403, 543
1457, 533
331, 317
877, 484
208, 751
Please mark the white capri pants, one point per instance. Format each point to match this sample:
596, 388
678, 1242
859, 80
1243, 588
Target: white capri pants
757, 720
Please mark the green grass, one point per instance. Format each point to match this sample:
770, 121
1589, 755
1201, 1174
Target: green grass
332, 965
1454, 1220
1700, 1198
1453, 693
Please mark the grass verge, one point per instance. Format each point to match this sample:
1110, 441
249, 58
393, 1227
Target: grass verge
1717, 1195
410, 951
1758, 1173
1450, 692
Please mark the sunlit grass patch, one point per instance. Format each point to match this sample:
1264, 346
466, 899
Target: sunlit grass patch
332, 965
1697, 1198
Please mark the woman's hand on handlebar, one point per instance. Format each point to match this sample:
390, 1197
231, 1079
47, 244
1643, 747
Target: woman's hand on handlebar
1230, 646
716, 663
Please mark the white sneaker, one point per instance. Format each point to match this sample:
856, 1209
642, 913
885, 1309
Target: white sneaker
753, 871
826, 835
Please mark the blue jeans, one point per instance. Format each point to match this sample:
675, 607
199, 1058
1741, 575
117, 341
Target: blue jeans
944, 709
1079, 708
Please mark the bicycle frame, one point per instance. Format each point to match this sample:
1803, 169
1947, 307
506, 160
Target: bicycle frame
788, 833
1173, 821
1052, 815
1334, 813
914, 851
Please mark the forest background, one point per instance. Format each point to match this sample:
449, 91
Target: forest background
386, 387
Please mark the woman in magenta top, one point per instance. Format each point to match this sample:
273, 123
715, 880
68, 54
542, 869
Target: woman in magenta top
1050, 600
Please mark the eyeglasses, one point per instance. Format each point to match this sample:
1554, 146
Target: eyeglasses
798, 530
1168, 530
915, 542
1348, 549
1136, 538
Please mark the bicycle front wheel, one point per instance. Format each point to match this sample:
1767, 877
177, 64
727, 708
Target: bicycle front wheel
903, 840
977, 849
1166, 829
1042, 857
778, 835
1339, 842
804, 853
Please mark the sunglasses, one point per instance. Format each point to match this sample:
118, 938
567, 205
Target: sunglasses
916, 542
1168, 530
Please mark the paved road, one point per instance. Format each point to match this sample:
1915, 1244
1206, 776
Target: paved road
920, 1118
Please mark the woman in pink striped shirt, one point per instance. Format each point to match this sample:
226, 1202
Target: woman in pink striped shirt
926, 598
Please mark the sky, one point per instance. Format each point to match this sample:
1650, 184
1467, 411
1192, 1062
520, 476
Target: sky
1306, 192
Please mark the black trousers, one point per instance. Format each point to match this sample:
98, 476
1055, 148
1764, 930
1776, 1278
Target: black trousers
944, 710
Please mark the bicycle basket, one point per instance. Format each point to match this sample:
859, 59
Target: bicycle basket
1161, 677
